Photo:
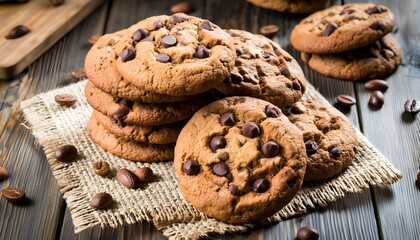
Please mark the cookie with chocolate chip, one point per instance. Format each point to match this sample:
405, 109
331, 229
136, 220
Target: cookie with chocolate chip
263, 70
375, 61
239, 160
175, 55
342, 28
330, 139
292, 6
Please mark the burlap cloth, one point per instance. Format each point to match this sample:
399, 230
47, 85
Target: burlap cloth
160, 202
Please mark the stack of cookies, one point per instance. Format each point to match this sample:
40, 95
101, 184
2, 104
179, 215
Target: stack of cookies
349, 41
292, 6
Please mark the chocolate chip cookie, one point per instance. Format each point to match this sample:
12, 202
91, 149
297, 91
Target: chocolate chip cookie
263, 70
292, 6
330, 139
175, 55
375, 61
342, 28
130, 150
239, 160
148, 114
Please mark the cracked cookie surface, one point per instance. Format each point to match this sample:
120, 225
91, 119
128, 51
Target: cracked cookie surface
292, 6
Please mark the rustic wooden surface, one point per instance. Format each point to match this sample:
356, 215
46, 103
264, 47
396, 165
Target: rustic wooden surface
387, 213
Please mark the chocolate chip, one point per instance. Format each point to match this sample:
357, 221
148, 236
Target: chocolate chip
311, 147
307, 57
270, 149
101, 200
228, 119
163, 58
284, 71
412, 106
376, 84
307, 233
126, 103
66, 153
206, 25
224, 157
17, 32
346, 100
158, 25
120, 114
191, 167
329, 29
234, 190
251, 130
239, 52
269, 30
174, 19
65, 99
202, 52
296, 85
292, 182
168, 41
377, 25
235, 78
272, 111
260, 185
140, 34
148, 39
128, 54
350, 11
13, 194
373, 10
265, 55
335, 152
182, 7
217, 142
376, 99
220, 169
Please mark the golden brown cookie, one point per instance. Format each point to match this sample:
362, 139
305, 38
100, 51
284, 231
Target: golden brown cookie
292, 6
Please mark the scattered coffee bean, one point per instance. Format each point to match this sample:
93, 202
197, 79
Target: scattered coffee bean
78, 74
163, 58
13, 194
206, 25
202, 52
65, 99
311, 147
270, 149
127, 178
376, 99
373, 10
329, 29
307, 57
18, 32
251, 130
260, 185
101, 200
174, 19
182, 7
224, 157
101, 168
376, 84
234, 190
191, 167
412, 106
128, 54
93, 39
140, 34
158, 25
377, 25
220, 169
168, 41
66, 153
228, 119
145, 174
269, 30
272, 111
335, 152
56, 2
217, 142
3, 173
346, 100
307, 233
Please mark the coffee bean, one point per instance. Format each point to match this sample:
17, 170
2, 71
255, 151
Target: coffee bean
101, 200
270, 149
56, 2
182, 7
412, 106
65, 99
191, 167
272, 111
376, 99
377, 25
224, 157
127, 178
217, 142
174, 19
206, 25
93, 39
145, 174
269, 30
307, 233
168, 41
163, 58
139, 34
17, 32
220, 169
251, 130
373, 10
260, 185
202, 52
335, 152
234, 190
307, 57
376, 84
3, 173
78, 74
346, 100
66, 153
157, 25
128, 54
101, 168
228, 119
148, 39
329, 29
311, 147
13, 194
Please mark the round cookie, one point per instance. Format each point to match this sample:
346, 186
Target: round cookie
330, 139
130, 150
101, 71
292, 6
342, 28
148, 114
239, 160
177, 55
375, 61
263, 70
163, 134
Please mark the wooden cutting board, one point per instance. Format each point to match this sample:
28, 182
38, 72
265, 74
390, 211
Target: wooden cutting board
47, 23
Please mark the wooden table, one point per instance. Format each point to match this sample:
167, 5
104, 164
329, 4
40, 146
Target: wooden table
388, 213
